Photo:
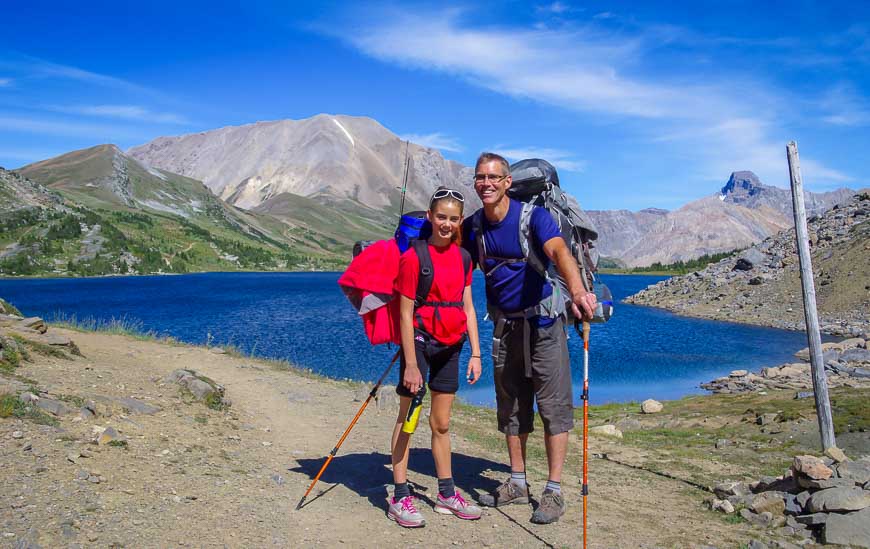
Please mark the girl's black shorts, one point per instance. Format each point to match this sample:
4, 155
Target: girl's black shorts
440, 361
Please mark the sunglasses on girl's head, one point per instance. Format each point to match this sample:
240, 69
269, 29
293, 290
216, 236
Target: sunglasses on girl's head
443, 193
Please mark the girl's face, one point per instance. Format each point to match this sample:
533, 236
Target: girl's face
446, 219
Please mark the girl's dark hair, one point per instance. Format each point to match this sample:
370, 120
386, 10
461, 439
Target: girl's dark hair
457, 235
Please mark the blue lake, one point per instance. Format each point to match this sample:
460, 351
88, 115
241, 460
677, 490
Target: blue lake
304, 318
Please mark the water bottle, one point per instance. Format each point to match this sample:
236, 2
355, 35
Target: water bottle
410, 423
604, 305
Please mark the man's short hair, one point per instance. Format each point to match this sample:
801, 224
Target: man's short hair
492, 157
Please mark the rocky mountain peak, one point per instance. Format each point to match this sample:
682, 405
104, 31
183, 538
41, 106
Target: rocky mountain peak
742, 184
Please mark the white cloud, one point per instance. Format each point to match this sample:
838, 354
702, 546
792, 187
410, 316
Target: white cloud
590, 69
123, 112
556, 8
844, 107
96, 132
435, 140
562, 160
5, 82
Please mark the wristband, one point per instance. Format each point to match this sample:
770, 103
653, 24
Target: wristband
475, 356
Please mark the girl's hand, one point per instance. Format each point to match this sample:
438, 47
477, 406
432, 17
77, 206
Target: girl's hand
474, 369
412, 379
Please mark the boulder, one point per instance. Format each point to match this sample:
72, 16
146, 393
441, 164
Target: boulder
853, 343
742, 265
850, 529
606, 430
201, 387
55, 407
839, 500
773, 502
766, 419
650, 406
813, 484
725, 489
855, 355
33, 323
855, 471
739, 373
814, 519
137, 406
812, 467
836, 454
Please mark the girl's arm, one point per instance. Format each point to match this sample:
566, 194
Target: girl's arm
412, 379
474, 365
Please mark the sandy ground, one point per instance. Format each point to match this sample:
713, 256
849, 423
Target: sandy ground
195, 477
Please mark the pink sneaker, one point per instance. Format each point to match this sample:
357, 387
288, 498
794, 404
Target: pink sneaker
404, 513
457, 505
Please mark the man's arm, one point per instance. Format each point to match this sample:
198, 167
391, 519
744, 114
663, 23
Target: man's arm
583, 301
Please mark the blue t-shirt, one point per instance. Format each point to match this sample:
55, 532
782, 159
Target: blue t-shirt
512, 287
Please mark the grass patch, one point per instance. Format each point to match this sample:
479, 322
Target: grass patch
116, 326
8, 308
202, 420
10, 406
216, 402
75, 400
119, 444
41, 348
851, 412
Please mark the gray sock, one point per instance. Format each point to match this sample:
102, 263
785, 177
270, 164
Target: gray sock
401, 491
446, 487
518, 479
553, 486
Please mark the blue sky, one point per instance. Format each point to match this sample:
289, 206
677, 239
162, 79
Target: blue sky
639, 104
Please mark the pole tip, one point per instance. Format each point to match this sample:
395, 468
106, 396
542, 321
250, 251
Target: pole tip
299, 505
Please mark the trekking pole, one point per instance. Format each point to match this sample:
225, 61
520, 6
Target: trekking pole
585, 397
404, 180
362, 408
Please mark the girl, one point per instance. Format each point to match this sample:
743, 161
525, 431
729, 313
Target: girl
433, 333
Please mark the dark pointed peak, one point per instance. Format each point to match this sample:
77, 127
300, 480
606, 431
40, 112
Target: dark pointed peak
742, 182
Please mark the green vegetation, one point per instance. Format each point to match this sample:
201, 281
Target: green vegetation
119, 444
11, 406
683, 267
9, 308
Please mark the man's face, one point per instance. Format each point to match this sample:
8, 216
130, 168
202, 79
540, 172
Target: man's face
491, 182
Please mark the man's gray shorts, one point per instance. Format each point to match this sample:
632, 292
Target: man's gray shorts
550, 381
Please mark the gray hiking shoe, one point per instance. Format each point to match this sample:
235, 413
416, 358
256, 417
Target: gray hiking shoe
506, 494
405, 513
551, 507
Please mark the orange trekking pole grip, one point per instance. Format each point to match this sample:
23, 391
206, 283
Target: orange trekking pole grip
362, 408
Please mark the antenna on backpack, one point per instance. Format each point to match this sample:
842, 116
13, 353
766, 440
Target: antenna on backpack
404, 180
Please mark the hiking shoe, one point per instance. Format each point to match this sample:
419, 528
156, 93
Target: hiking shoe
458, 506
505, 494
403, 512
551, 507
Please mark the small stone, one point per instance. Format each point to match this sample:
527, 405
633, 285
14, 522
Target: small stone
755, 544
266, 443
176, 499
839, 500
726, 489
73, 457
722, 443
82, 475
108, 435
803, 394
650, 406
812, 467
836, 454
17, 434
606, 430
94, 479
724, 506
278, 479
766, 419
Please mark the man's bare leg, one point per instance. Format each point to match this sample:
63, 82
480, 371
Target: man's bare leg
557, 449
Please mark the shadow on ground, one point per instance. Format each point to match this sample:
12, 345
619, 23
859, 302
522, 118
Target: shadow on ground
367, 474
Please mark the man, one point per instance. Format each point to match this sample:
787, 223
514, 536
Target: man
530, 352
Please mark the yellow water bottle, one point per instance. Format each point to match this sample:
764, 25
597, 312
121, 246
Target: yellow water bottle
410, 423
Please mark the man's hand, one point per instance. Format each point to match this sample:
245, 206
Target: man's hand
583, 306
412, 379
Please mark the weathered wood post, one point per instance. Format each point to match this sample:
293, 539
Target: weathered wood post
820, 382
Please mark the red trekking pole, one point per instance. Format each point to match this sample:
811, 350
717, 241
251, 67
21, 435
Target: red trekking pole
585, 397
362, 408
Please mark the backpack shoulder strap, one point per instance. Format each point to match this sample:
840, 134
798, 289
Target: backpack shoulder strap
426, 274
534, 261
466, 262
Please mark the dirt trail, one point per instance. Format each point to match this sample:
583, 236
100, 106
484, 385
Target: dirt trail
191, 476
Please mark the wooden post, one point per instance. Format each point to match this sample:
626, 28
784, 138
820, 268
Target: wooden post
820, 382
